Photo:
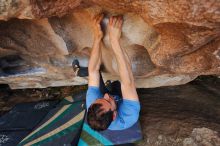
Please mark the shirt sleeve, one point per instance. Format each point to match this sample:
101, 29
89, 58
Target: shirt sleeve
92, 94
128, 115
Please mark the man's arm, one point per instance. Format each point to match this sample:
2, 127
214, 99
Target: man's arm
95, 57
124, 66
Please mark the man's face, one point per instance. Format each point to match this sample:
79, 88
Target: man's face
108, 103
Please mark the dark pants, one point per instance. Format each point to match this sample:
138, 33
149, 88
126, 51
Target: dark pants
115, 87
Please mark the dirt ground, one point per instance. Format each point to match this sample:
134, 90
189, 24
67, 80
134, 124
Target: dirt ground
181, 115
187, 115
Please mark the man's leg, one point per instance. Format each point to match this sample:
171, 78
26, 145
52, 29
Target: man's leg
83, 72
116, 88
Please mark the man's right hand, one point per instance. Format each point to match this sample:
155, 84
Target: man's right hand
114, 28
98, 34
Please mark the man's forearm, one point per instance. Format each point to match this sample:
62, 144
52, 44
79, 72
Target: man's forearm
124, 65
94, 64
95, 57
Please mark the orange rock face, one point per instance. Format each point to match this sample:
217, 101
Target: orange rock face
169, 43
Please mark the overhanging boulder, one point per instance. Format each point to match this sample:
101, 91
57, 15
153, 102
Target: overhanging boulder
169, 43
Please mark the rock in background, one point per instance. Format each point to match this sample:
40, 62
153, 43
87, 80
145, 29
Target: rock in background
184, 115
168, 42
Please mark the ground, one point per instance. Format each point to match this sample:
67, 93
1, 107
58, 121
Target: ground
187, 115
170, 115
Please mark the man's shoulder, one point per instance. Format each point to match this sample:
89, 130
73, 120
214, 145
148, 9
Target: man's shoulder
128, 114
92, 94
130, 104
93, 90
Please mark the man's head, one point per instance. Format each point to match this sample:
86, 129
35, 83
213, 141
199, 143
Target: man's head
101, 113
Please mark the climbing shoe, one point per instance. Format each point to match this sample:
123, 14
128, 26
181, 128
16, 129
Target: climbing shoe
79, 71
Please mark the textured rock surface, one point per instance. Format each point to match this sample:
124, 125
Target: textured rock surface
169, 42
202, 136
185, 115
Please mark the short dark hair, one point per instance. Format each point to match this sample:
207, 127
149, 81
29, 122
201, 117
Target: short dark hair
97, 118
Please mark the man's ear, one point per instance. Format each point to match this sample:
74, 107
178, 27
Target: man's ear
114, 115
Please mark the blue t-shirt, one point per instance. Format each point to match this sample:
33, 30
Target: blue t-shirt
128, 110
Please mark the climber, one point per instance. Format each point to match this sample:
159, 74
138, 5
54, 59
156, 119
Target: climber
116, 106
